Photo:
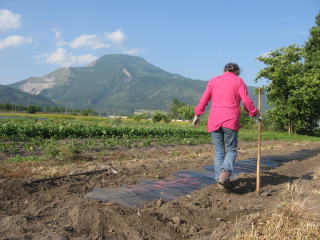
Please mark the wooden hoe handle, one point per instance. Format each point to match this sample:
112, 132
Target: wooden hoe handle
259, 146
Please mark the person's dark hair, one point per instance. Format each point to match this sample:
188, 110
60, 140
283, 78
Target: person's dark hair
232, 67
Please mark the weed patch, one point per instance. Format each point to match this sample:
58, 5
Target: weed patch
293, 219
19, 158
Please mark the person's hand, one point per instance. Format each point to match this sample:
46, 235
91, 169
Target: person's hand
259, 116
196, 120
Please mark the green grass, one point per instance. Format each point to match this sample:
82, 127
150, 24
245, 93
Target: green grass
119, 132
252, 135
24, 129
84, 139
51, 116
4, 147
68, 140
19, 158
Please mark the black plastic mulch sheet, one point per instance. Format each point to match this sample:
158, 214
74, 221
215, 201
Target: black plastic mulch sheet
182, 183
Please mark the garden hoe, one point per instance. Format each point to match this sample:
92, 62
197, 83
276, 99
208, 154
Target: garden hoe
259, 145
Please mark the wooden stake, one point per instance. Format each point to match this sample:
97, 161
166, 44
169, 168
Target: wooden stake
259, 146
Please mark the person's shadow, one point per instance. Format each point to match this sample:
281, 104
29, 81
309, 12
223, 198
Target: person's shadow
247, 184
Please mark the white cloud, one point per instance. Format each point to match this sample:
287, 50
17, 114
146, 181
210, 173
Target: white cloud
59, 38
91, 41
41, 57
14, 41
9, 20
83, 59
62, 58
57, 57
116, 36
134, 51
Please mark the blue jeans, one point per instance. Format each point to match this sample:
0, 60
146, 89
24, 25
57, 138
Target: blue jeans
225, 143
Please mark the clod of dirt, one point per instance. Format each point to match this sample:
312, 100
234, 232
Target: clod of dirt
74, 216
197, 204
138, 213
195, 229
160, 202
266, 193
57, 237
176, 220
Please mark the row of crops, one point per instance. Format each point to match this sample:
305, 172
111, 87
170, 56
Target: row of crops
14, 129
22, 129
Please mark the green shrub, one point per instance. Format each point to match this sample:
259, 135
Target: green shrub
70, 151
19, 158
52, 150
116, 121
246, 121
31, 109
139, 117
159, 116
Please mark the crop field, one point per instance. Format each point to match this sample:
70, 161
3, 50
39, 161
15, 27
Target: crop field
49, 162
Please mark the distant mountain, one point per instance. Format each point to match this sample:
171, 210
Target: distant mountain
14, 96
115, 84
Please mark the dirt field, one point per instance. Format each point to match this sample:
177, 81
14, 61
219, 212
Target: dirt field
57, 209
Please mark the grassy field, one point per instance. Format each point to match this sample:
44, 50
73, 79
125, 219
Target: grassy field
37, 137
65, 126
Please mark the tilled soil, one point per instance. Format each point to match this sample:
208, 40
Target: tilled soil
57, 209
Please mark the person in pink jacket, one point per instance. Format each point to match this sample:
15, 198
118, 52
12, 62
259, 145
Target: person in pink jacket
225, 93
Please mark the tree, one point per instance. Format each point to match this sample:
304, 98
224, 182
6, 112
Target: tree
31, 109
87, 112
159, 116
175, 105
186, 112
140, 116
180, 110
7, 106
284, 73
245, 120
39, 108
310, 91
293, 75
312, 48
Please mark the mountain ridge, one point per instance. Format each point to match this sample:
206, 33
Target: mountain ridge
116, 84
15, 96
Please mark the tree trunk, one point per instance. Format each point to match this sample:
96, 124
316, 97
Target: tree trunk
290, 127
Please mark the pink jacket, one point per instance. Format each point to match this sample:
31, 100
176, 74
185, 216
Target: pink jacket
225, 92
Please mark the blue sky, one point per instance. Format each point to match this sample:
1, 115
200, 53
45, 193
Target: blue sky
192, 38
